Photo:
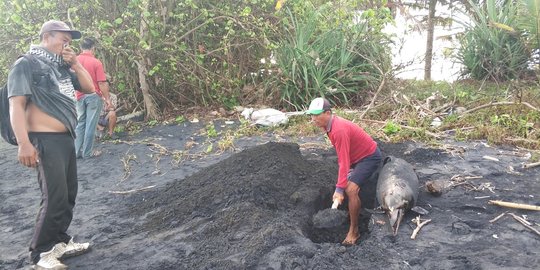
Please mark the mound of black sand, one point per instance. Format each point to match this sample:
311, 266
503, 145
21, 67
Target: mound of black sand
260, 198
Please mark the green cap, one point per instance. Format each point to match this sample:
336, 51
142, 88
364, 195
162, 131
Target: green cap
318, 106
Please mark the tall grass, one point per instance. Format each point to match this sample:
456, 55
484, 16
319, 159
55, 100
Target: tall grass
489, 51
322, 62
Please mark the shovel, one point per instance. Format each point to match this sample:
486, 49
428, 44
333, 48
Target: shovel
330, 218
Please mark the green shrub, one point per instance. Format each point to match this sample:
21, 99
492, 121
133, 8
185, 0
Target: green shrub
490, 51
317, 60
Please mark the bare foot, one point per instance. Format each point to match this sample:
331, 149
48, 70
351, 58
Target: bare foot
350, 239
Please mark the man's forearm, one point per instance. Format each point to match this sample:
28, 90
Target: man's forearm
18, 119
104, 87
85, 80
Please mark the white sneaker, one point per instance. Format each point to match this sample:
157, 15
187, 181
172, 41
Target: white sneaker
59, 250
48, 261
74, 249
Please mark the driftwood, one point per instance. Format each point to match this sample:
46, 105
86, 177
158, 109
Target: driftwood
129, 116
525, 223
515, 205
497, 217
531, 165
419, 224
132, 190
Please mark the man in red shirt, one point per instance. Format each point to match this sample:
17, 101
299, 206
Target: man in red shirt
89, 106
358, 158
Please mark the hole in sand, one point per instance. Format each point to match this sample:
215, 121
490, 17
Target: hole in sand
331, 225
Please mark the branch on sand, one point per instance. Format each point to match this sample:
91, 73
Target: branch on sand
132, 190
125, 162
521, 220
531, 165
497, 217
525, 223
419, 224
515, 205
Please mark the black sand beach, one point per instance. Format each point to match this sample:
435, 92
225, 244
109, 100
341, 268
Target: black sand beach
157, 200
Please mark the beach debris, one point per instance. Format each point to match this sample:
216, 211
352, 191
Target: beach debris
380, 222
437, 187
515, 205
454, 150
525, 223
132, 190
519, 219
436, 122
265, 117
531, 165
419, 224
459, 180
490, 158
131, 116
420, 210
498, 217
511, 170
125, 162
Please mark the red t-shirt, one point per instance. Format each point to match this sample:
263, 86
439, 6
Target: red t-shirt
352, 144
95, 68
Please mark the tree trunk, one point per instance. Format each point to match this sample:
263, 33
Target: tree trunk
149, 104
151, 109
429, 43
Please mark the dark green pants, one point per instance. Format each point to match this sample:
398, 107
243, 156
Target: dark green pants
57, 178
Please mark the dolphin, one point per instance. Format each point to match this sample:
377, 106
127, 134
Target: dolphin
397, 189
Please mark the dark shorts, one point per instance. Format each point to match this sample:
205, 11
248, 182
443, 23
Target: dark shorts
103, 120
361, 172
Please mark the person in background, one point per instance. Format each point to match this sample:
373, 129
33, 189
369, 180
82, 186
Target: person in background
89, 106
43, 117
107, 119
358, 158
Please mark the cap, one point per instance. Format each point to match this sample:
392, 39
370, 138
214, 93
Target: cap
318, 106
59, 26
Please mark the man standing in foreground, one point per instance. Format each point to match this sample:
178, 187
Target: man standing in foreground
358, 158
89, 106
43, 117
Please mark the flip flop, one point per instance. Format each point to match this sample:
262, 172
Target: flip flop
349, 244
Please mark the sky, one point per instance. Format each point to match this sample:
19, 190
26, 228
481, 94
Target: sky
410, 46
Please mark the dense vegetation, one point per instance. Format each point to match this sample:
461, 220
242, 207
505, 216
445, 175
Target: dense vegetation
164, 56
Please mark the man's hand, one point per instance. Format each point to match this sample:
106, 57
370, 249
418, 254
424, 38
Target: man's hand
28, 155
108, 105
69, 56
339, 197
